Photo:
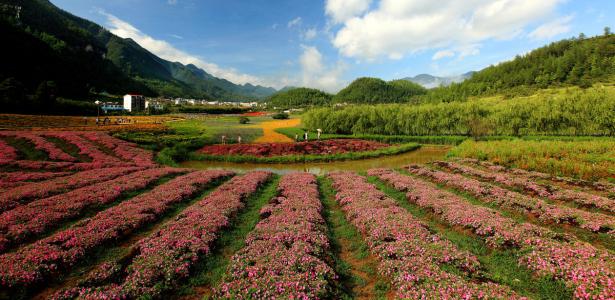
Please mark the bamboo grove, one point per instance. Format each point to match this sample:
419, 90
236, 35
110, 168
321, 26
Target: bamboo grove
556, 112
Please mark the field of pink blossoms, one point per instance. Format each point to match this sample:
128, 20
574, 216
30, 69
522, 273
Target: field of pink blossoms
84, 215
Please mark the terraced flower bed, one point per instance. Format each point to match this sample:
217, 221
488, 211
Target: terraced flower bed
303, 148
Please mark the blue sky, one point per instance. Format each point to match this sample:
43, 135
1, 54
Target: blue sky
327, 44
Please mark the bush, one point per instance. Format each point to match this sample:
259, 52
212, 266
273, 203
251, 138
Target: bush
280, 116
244, 120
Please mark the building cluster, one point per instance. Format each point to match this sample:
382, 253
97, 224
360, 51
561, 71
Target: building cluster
139, 103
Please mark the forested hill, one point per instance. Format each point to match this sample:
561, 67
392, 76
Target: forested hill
299, 97
43, 43
579, 61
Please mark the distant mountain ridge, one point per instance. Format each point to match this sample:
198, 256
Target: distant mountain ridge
80, 55
430, 81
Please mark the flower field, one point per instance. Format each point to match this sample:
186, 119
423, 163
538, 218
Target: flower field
303, 148
84, 215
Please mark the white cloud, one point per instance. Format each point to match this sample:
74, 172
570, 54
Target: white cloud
294, 22
310, 34
179, 37
552, 29
443, 54
315, 74
396, 28
167, 51
343, 10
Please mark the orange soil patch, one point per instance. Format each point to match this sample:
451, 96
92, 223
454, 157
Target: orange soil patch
269, 134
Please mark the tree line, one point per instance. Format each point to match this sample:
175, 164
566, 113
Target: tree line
565, 112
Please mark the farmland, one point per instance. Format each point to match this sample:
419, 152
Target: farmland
86, 215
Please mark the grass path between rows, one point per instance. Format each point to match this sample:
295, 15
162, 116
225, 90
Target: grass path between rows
209, 272
354, 264
500, 266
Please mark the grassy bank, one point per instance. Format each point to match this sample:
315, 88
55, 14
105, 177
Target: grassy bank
393, 150
587, 159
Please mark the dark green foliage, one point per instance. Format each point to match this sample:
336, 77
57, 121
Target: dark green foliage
244, 120
299, 97
280, 116
374, 90
46, 44
577, 61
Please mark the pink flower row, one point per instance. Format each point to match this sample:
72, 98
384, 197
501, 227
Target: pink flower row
31, 220
547, 191
64, 166
587, 270
42, 144
13, 179
546, 213
7, 152
167, 255
16, 196
85, 147
410, 255
125, 150
286, 255
34, 263
597, 186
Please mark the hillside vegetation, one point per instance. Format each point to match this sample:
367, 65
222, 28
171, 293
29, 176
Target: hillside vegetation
579, 61
48, 49
566, 111
299, 97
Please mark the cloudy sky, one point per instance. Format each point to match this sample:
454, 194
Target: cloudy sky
326, 44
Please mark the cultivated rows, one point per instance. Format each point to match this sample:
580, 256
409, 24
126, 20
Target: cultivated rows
57, 222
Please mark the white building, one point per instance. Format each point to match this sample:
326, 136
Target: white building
155, 105
134, 103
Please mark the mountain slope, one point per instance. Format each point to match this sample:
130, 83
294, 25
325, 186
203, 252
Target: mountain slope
80, 56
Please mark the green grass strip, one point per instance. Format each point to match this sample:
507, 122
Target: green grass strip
358, 274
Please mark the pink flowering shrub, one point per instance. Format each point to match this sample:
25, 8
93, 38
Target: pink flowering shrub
42, 144
124, 150
13, 179
603, 186
166, 256
286, 255
589, 271
16, 196
547, 213
547, 191
7, 153
410, 255
35, 218
33, 263
85, 147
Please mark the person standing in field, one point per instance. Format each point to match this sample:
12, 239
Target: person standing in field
305, 136
224, 140
319, 131
239, 139
296, 138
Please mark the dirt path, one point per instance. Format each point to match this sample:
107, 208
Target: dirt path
269, 134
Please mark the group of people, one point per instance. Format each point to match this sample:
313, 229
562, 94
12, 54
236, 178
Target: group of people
107, 120
224, 139
306, 135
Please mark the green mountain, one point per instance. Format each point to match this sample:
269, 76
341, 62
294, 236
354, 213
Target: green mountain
45, 45
374, 90
299, 97
578, 61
